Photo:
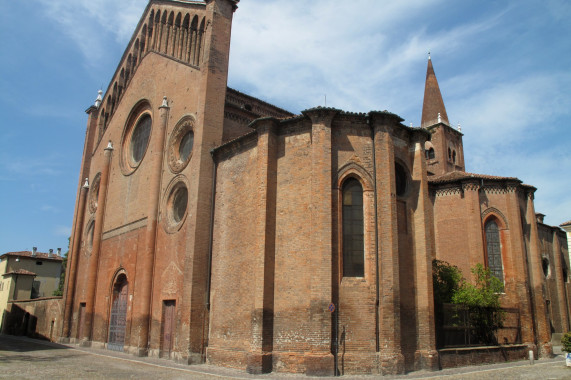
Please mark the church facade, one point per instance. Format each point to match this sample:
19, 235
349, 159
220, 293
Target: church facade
211, 226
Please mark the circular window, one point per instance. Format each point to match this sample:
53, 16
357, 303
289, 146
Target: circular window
136, 137
140, 138
176, 204
185, 147
401, 179
94, 193
181, 143
179, 204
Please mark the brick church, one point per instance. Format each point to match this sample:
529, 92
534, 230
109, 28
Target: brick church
211, 226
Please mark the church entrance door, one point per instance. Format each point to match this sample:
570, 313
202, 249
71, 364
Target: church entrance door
118, 318
168, 328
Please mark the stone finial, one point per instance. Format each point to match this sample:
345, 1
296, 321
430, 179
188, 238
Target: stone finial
165, 102
439, 118
99, 98
459, 128
429, 55
109, 146
86, 184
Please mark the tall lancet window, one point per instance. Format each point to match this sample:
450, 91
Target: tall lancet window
353, 244
494, 250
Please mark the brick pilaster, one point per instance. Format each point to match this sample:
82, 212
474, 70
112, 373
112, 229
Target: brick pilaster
263, 268
426, 356
72, 262
145, 261
542, 333
93, 266
521, 270
391, 359
319, 360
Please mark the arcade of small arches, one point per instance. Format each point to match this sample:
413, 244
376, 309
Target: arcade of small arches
174, 35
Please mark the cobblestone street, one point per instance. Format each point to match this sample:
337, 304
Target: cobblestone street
23, 358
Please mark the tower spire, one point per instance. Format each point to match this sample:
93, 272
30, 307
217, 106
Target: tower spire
433, 110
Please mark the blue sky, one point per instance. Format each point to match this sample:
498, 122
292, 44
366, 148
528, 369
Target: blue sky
504, 68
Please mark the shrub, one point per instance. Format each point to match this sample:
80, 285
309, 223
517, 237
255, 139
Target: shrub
566, 342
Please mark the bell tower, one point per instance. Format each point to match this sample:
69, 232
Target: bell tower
445, 151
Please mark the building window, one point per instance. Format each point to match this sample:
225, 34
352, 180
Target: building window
180, 144
430, 155
179, 203
494, 249
185, 147
545, 267
401, 179
353, 240
136, 137
140, 138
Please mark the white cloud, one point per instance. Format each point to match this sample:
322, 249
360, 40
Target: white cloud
87, 21
358, 53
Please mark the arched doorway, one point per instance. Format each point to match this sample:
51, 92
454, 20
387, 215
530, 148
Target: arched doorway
118, 317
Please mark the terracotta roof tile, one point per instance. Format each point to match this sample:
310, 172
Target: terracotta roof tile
460, 175
566, 223
39, 255
21, 272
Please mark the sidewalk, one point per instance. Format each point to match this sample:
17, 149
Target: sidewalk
24, 358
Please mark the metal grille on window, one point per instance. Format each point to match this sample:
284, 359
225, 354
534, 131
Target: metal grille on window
494, 250
353, 243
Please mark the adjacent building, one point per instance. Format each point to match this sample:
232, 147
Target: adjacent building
28, 275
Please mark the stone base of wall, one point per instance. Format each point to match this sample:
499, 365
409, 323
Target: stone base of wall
465, 356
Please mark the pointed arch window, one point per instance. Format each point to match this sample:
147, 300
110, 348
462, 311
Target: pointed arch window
494, 249
353, 241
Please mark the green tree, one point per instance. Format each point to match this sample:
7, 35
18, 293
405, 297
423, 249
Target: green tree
446, 279
59, 291
482, 302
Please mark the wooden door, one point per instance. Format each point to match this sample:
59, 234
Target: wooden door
167, 333
118, 317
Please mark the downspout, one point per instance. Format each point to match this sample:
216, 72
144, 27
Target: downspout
377, 293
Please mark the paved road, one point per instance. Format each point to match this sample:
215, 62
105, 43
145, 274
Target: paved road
23, 358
